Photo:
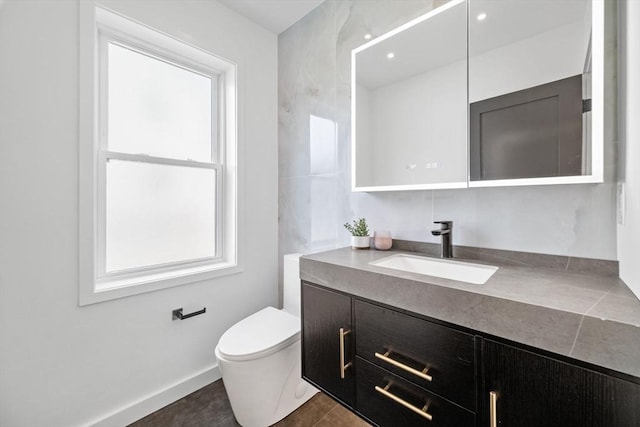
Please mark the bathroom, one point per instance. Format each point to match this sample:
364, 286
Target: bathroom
64, 362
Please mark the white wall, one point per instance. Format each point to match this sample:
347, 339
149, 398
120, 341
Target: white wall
629, 230
65, 365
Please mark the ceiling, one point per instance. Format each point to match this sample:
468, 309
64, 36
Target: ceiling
274, 15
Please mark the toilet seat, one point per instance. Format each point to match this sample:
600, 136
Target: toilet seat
259, 335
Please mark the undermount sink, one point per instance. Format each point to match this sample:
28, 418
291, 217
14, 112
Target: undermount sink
447, 269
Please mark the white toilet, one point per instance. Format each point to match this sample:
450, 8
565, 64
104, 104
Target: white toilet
259, 358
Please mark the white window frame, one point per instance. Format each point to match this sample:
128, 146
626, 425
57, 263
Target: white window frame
98, 28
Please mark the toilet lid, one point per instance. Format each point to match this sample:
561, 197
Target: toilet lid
259, 335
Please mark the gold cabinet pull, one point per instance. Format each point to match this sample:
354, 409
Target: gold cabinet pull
493, 409
422, 374
343, 367
422, 412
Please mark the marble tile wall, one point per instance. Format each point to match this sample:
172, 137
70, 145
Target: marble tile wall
314, 157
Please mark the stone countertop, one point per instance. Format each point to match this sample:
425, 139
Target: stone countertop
586, 316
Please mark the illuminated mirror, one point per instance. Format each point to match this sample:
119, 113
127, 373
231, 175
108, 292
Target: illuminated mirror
535, 92
409, 105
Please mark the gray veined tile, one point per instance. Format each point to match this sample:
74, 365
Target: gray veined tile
522, 259
205, 407
543, 293
324, 222
295, 214
589, 265
405, 213
609, 344
623, 290
617, 307
540, 327
210, 406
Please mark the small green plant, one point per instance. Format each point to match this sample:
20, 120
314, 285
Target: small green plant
359, 227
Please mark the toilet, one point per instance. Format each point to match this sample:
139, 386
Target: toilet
259, 358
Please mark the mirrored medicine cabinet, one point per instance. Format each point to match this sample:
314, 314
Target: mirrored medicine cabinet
480, 93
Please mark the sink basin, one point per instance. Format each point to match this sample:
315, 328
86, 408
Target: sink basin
447, 269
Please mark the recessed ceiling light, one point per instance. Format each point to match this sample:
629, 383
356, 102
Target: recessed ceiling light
481, 16
367, 36
391, 55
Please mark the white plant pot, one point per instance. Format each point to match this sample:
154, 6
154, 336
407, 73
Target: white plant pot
360, 242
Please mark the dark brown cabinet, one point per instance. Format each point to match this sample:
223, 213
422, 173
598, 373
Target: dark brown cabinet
387, 366
390, 400
327, 342
410, 371
398, 369
432, 356
525, 389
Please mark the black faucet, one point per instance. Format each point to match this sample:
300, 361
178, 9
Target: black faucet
446, 229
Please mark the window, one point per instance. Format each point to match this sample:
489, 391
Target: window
157, 161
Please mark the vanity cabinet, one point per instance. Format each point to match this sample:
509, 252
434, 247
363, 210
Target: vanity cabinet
387, 399
327, 342
524, 389
432, 356
390, 367
410, 371
394, 368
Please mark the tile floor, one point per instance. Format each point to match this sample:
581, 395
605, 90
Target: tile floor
210, 407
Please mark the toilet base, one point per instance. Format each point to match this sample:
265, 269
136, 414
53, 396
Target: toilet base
265, 390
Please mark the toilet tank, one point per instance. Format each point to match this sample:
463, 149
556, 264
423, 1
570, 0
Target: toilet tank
291, 285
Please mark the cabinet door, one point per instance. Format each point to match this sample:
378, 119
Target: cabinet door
409, 347
327, 342
534, 390
389, 400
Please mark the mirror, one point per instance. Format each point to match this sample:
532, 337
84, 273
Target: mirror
531, 65
522, 119
409, 105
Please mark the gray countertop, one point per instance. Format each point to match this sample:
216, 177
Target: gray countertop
584, 315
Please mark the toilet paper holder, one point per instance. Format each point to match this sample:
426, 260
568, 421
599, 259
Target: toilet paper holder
177, 313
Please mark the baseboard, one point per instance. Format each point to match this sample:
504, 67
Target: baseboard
143, 407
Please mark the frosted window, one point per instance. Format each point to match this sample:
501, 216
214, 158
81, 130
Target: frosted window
158, 213
157, 108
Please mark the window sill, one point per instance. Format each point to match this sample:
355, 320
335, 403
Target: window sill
113, 288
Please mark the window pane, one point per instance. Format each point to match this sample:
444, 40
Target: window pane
157, 214
157, 108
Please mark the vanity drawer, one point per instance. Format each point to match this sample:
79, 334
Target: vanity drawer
409, 346
388, 400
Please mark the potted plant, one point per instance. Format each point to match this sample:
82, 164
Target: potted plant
359, 233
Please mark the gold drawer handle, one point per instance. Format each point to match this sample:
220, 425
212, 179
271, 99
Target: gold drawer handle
493, 409
422, 412
422, 374
343, 367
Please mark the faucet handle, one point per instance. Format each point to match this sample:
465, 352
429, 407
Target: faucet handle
444, 225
